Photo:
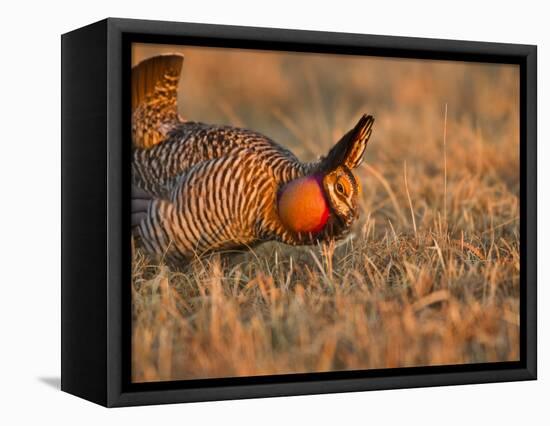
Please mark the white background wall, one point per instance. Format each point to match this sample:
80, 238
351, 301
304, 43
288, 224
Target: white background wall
30, 211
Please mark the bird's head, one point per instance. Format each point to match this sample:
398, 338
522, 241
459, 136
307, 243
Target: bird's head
342, 189
328, 199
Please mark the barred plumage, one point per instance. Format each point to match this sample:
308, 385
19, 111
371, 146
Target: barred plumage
189, 143
206, 187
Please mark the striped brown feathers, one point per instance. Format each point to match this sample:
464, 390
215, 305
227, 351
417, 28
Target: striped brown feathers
202, 187
154, 99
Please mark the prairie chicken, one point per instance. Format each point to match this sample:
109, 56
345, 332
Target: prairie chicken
200, 187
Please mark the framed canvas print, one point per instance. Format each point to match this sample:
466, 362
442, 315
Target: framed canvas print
252, 212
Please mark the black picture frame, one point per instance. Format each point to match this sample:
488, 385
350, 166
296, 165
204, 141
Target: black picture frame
95, 264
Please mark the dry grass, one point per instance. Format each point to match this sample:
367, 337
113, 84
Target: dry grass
430, 275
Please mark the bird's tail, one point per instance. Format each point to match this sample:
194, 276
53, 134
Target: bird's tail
155, 99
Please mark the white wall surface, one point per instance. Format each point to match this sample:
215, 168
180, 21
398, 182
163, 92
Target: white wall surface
30, 211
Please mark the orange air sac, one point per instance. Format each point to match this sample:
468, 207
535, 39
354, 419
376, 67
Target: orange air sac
302, 205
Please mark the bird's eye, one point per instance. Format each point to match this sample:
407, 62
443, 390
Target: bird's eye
339, 188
